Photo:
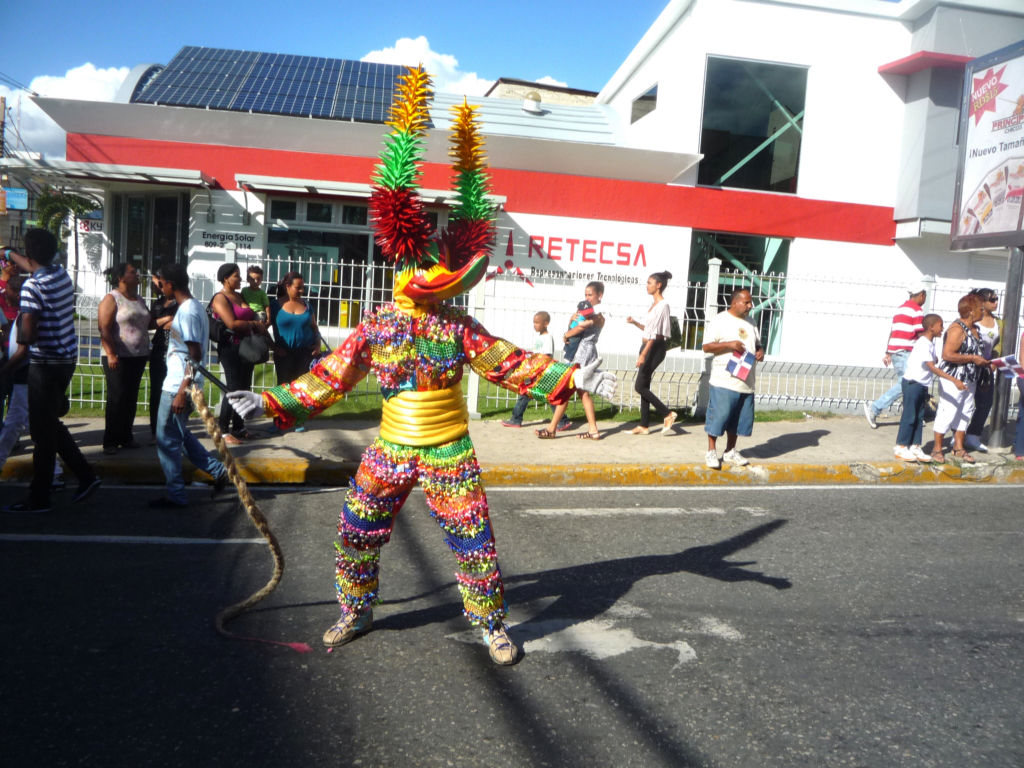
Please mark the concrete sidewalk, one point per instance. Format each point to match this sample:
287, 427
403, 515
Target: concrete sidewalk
840, 449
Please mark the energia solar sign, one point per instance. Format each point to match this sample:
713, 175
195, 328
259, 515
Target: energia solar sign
988, 210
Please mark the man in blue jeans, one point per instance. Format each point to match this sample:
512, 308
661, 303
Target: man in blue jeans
905, 328
188, 338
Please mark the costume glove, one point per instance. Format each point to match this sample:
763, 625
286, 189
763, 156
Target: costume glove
246, 404
589, 379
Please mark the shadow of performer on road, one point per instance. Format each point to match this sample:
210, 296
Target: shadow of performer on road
584, 592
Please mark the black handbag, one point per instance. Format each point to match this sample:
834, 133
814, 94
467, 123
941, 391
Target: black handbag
254, 349
219, 332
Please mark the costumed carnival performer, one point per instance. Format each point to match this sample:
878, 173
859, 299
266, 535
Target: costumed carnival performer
418, 347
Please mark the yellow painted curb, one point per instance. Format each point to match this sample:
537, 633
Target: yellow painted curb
753, 474
266, 471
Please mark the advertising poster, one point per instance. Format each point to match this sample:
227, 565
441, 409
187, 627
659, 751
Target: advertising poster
990, 179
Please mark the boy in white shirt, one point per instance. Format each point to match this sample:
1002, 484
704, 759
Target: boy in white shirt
921, 368
544, 344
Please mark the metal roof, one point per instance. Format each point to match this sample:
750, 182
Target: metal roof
340, 89
591, 124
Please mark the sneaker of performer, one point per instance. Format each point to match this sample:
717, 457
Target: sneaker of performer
350, 626
500, 646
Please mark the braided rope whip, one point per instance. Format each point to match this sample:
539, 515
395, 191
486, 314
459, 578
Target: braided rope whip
258, 520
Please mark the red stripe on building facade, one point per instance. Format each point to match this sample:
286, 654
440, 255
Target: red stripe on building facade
705, 208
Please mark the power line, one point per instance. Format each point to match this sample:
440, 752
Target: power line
15, 83
15, 129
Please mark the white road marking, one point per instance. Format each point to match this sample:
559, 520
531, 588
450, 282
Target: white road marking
625, 610
95, 539
624, 510
717, 628
595, 638
601, 637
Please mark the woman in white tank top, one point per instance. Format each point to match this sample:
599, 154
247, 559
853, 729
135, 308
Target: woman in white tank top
124, 322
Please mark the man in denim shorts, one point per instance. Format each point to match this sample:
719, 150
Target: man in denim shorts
731, 401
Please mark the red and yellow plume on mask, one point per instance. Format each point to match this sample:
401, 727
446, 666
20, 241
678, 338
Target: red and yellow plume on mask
431, 266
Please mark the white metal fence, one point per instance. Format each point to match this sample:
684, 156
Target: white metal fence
803, 320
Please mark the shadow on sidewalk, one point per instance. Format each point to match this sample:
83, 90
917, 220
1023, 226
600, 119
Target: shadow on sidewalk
779, 446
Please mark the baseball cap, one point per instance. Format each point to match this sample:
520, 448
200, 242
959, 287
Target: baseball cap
916, 286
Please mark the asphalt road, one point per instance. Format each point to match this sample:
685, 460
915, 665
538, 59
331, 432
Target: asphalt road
662, 627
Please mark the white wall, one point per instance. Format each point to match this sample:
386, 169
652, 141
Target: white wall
853, 122
208, 241
840, 297
511, 303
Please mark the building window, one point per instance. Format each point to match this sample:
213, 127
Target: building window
644, 104
758, 264
286, 210
344, 270
319, 212
149, 229
354, 215
752, 124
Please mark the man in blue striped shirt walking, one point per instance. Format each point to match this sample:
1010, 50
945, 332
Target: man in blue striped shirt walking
48, 307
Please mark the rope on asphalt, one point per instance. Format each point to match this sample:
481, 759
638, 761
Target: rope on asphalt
258, 520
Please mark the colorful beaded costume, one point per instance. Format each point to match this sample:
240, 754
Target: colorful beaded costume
418, 349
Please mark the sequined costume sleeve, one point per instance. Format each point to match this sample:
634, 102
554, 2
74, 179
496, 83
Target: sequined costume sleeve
503, 363
314, 392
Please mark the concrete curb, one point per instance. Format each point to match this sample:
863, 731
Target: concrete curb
265, 471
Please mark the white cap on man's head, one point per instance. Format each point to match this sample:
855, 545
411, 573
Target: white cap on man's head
915, 287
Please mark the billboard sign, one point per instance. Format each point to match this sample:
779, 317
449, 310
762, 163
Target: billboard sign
987, 209
17, 198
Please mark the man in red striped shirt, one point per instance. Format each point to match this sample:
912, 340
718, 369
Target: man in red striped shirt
906, 327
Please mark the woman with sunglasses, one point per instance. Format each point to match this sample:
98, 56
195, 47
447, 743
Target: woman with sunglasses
988, 329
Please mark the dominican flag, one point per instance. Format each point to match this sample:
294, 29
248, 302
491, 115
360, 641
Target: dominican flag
740, 365
1008, 366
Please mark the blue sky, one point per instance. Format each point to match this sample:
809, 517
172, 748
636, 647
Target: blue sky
580, 42
88, 48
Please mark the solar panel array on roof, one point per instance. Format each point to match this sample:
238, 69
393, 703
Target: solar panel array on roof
274, 83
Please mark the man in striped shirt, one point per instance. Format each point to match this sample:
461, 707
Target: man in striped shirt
906, 327
47, 326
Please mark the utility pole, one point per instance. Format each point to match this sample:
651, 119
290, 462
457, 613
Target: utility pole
3, 153
1002, 434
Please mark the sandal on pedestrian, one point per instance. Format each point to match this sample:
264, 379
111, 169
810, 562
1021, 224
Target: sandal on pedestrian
640, 431
590, 436
545, 434
231, 439
669, 421
964, 456
938, 457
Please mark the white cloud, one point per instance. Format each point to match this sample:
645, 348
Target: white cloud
37, 130
548, 80
443, 67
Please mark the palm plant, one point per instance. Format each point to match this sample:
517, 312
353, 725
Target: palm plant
53, 209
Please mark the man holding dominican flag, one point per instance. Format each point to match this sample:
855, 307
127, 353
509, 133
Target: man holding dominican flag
736, 347
741, 365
